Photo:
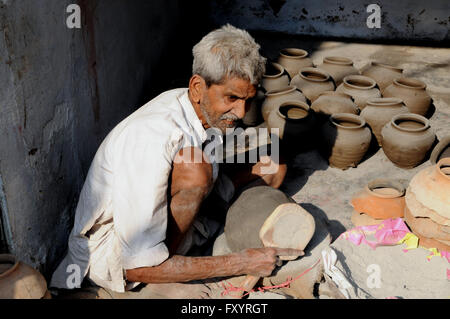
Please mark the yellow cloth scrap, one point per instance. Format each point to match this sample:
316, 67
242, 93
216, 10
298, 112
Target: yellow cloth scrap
411, 241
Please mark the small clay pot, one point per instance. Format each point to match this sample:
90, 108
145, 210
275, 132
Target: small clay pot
406, 139
20, 281
331, 102
417, 209
346, 139
412, 92
380, 111
293, 59
426, 227
312, 81
383, 74
338, 68
273, 99
381, 199
361, 219
253, 116
441, 150
275, 77
361, 88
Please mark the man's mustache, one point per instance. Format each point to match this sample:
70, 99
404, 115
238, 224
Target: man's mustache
229, 117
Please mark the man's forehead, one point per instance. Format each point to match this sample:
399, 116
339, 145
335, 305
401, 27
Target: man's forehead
239, 87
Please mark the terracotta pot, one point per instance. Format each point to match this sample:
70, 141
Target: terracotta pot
346, 139
330, 102
426, 227
253, 116
293, 60
20, 281
312, 82
275, 77
380, 111
361, 88
418, 210
433, 243
338, 68
406, 139
412, 92
273, 99
431, 188
383, 74
380, 199
361, 219
441, 150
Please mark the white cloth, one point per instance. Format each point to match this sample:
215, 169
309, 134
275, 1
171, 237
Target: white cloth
329, 260
121, 217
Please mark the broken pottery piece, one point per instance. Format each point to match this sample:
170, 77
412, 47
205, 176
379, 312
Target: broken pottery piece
331, 102
433, 243
361, 219
418, 210
424, 226
441, 150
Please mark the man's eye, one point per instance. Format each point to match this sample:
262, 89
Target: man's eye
233, 98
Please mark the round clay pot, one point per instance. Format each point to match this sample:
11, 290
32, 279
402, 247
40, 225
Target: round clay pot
380, 111
383, 74
412, 92
293, 59
346, 139
441, 150
312, 82
380, 199
426, 227
406, 139
273, 99
275, 77
361, 88
253, 116
331, 102
20, 281
361, 219
417, 209
338, 68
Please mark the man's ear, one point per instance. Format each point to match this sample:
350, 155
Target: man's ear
196, 87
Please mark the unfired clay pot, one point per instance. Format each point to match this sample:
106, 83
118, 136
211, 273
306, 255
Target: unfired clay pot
253, 116
383, 74
331, 102
293, 59
426, 227
312, 82
441, 150
412, 92
406, 139
275, 77
346, 139
361, 219
20, 281
381, 199
361, 88
275, 98
380, 111
338, 68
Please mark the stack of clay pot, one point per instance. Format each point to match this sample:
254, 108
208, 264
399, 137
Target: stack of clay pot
379, 200
427, 210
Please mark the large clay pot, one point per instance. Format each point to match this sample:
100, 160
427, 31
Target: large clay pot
275, 77
275, 98
253, 116
441, 150
412, 92
383, 74
380, 111
417, 209
20, 281
361, 88
346, 139
331, 102
406, 139
338, 68
293, 59
381, 199
426, 227
312, 82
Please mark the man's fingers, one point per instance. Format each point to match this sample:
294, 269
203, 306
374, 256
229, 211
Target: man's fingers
289, 252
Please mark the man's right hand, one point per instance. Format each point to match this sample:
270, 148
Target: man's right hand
261, 262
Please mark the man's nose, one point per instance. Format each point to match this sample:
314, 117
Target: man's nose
239, 109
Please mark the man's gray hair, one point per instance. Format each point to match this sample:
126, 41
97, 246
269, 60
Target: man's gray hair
228, 52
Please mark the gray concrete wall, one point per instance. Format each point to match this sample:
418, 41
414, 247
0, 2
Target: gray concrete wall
61, 91
400, 20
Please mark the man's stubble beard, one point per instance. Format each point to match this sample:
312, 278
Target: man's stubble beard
216, 123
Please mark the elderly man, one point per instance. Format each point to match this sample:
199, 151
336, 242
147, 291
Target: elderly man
142, 193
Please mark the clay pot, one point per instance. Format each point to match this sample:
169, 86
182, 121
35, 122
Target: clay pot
441, 150
20, 281
361, 88
338, 68
380, 111
380, 199
383, 74
412, 92
330, 102
275, 77
406, 139
293, 60
417, 209
426, 227
312, 82
361, 219
433, 243
346, 139
253, 116
273, 99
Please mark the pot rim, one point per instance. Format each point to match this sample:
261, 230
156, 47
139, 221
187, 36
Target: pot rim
295, 104
360, 78
8, 258
439, 149
386, 66
279, 67
325, 75
385, 101
350, 117
293, 53
339, 60
410, 83
413, 117
444, 162
388, 183
275, 92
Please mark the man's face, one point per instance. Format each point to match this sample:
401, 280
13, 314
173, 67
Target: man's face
223, 104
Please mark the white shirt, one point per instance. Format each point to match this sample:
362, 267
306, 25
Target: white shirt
121, 217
